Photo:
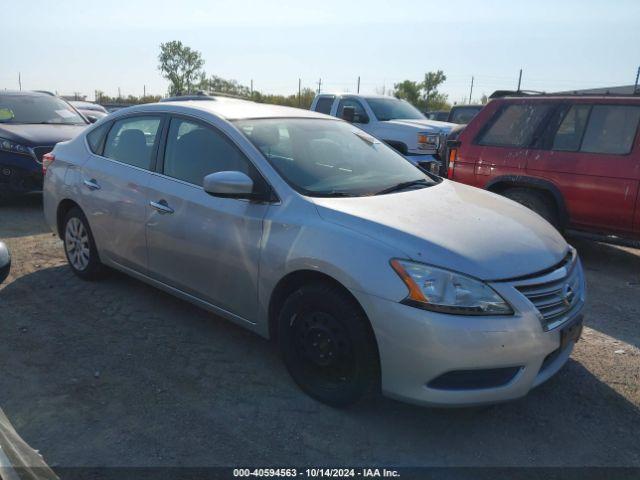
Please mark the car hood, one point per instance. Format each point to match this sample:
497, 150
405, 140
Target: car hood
424, 125
454, 226
36, 135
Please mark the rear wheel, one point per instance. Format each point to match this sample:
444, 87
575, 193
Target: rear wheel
327, 345
79, 246
536, 201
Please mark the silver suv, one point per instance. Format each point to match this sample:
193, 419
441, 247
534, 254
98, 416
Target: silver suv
367, 271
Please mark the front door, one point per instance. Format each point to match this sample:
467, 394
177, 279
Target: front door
206, 246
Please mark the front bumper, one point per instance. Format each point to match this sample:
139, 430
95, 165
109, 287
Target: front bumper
19, 174
440, 359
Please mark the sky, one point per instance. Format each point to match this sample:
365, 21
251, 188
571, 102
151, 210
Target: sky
81, 46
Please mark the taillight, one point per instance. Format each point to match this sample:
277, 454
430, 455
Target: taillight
47, 160
453, 155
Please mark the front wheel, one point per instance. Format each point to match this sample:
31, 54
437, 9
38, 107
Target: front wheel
79, 246
533, 200
327, 345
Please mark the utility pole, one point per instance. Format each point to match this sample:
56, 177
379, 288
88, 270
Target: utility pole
144, 91
319, 85
358, 91
519, 80
635, 87
252, 88
119, 96
19, 81
299, 92
471, 90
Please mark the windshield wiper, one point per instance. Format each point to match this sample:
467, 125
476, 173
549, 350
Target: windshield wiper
331, 193
401, 186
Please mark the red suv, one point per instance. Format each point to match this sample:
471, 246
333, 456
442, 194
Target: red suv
575, 160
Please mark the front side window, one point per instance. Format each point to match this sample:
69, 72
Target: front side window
37, 109
132, 140
393, 109
330, 158
611, 129
323, 105
194, 151
360, 115
515, 125
569, 133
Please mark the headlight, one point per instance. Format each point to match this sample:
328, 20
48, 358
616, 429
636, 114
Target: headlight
428, 141
444, 291
13, 147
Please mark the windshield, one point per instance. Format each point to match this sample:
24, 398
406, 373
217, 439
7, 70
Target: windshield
331, 158
37, 109
392, 109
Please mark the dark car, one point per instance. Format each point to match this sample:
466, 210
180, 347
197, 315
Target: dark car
92, 111
460, 114
31, 123
5, 262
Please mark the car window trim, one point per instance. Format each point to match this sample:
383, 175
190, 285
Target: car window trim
154, 154
100, 148
159, 165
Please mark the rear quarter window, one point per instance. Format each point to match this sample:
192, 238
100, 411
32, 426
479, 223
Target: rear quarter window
514, 125
95, 138
611, 129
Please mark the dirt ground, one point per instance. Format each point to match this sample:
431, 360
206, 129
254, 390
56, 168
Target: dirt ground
116, 373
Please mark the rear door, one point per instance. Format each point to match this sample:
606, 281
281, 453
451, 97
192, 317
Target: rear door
205, 246
113, 185
592, 156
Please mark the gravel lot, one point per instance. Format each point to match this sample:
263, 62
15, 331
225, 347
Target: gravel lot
117, 373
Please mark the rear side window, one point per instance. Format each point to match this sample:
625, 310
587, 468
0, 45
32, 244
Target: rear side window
611, 129
515, 125
323, 105
131, 140
95, 138
570, 132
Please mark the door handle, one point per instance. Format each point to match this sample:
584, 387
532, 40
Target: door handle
92, 184
162, 207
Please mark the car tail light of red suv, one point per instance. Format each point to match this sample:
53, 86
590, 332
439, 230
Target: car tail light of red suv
575, 160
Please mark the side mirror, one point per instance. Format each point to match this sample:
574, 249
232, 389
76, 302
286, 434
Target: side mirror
229, 185
349, 114
92, 119
5, 262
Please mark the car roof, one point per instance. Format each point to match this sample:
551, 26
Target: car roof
231, 109
24, 93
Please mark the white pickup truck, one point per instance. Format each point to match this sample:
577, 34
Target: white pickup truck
395, 122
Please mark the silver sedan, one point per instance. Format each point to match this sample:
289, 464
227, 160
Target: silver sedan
369, 273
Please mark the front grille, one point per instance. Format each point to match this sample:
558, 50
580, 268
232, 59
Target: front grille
558, 294
39, 152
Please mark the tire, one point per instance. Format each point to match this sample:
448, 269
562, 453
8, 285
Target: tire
327, 345
79, 246
536, 201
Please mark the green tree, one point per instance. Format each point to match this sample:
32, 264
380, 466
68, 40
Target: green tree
432, 80
181, 65
408, 90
